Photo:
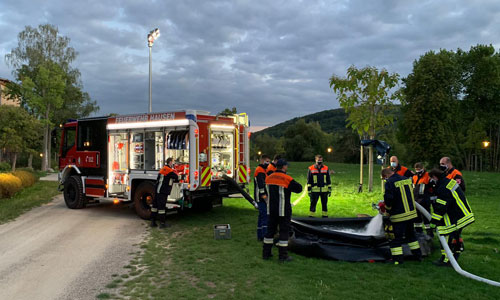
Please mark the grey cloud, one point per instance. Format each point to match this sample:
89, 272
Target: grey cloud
271, 59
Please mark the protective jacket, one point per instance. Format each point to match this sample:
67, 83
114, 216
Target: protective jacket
165, 180
259, 177
271, 169
318, 179
403, 171
280, 187
451, 209
457, 176
398, 199
422, 189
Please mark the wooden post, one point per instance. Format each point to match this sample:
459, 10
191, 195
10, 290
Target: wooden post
360, 188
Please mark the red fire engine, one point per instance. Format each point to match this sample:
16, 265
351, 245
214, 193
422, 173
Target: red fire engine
118, 158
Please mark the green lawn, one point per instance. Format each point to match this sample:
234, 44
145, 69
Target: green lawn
40, 193
185, 262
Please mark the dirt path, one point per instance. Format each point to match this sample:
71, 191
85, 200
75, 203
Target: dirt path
53, 252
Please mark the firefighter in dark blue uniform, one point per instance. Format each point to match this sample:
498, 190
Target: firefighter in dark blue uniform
319, 185
260, 195
163, 187
280, 186
400, 205
422, 190
451, 213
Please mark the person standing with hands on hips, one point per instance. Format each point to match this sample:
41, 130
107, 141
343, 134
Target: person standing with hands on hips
319, 185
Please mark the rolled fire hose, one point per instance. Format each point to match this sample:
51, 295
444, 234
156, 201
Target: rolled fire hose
452, 259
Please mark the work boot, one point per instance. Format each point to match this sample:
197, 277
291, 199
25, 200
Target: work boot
266, 251
153, 219
286, 259
417, 255
397, 259
164, 225
153, 223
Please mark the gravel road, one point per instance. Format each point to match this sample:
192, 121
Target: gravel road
53, 252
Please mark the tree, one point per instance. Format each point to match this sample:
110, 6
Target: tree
304, 140
481, 90
228, 112
19, 132
366, 95
430, 106
42, 67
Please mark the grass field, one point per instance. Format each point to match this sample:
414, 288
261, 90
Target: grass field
185, 262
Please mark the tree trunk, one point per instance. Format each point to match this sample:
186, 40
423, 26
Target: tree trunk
49, 148
370, 167
14, 161
1, 155
30, 161
45, 159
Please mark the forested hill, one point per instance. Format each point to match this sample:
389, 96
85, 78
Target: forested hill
330, 121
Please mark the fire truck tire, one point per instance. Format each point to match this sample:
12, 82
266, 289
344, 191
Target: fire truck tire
143, 197
73, 192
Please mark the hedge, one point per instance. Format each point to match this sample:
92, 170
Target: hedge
27, 178
9, 185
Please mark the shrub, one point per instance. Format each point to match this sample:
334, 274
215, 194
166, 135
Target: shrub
27, 178
9, 185
5, 166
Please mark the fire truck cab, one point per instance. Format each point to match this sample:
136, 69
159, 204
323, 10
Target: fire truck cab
118, 158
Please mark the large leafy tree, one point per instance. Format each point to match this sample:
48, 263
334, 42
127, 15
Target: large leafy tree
481, 101
430, 106
367, 95
19, 131
49, 87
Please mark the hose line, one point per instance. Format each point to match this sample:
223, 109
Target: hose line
451, 258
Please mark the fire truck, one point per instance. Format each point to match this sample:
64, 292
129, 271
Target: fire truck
118, 158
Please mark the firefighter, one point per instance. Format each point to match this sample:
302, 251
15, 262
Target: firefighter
280, 186
451, 213
272, 166
319, 185
399, 169
166, 178
451, 173
400, 205
422, 191
260, 195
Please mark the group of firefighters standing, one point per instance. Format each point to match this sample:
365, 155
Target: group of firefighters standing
441, 191
273, 188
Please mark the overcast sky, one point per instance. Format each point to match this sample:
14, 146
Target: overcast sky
271, 59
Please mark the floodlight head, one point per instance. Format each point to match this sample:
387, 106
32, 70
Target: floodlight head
152, 36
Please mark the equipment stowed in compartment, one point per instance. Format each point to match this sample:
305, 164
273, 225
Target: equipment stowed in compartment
177, 140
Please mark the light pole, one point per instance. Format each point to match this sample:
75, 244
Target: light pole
152, 36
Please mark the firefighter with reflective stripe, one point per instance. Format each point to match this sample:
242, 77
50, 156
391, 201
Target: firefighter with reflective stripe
422, 191
319, 185
399, 169
163, 187
400, 205
272, 166
451, 173
280, 187
260, 195
451, 213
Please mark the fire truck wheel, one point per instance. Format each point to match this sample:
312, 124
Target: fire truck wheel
73, 192
143, 198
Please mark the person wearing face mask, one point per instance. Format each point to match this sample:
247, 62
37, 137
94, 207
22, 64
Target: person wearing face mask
422, 191
452, 213
399, 169
400, 205
451, 173
272, 166
260, 195
319, 185
163, 186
